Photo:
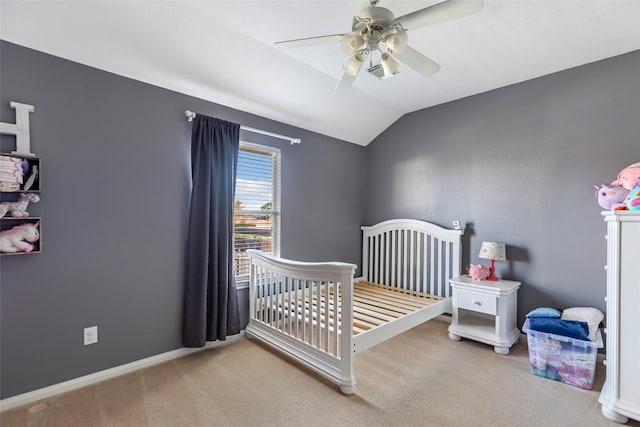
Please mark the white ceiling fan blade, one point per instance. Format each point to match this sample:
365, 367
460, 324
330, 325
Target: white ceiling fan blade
309, 41
345, 82
438, 13
417, 61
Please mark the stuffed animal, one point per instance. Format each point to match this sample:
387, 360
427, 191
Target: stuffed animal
478, 272
18, 209
628, 176
611, 197
18, 238
633, 199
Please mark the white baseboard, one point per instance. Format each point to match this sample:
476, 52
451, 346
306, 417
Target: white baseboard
76, 383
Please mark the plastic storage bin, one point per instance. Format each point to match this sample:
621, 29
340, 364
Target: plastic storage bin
561, 358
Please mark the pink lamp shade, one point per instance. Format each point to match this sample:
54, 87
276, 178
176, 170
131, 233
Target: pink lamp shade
493, 251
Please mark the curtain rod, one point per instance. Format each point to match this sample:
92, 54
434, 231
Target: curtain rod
191, 115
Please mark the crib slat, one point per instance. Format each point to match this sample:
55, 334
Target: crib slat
447, 265
276, 300
265, 296
336, 334
274, 315
393, 256
265, 289
378, 257
311, 312
279, 300
296, 285
403, 263
386, 257
303, 288
255, 308
269, 299
418, 263
409, 260
326, 316
257, 305
372, 258
432, 259
425, 265
283, 290
318, 315
443, 268
376, 261
290, 318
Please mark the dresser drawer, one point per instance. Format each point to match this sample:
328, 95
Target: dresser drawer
482, 303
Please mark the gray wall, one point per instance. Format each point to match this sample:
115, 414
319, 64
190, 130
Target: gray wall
518, 166
115, 193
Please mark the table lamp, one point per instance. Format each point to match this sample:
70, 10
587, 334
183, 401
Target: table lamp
493, 251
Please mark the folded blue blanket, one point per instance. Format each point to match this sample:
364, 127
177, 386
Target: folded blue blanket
567, 328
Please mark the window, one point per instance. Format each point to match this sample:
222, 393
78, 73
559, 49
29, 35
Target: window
256, 219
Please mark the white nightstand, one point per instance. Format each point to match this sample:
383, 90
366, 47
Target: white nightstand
485, 311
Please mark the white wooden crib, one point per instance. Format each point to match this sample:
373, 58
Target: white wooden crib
302, 308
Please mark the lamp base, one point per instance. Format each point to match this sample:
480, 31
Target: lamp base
492, 275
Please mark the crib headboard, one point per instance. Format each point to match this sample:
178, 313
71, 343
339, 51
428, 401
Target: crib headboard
411, 254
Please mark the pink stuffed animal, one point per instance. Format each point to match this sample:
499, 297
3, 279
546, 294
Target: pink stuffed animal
478, 272
628, 176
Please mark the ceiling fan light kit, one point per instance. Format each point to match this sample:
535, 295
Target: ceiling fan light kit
352, 66
396, 42
351, 43
375, 31
389, 65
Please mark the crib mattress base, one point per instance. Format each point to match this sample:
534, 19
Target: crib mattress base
373, 305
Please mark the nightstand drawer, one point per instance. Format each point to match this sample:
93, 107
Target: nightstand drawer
482, 303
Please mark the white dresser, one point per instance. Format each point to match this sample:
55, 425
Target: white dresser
620, 397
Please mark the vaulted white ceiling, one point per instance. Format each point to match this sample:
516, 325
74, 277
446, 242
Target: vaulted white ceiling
223, 51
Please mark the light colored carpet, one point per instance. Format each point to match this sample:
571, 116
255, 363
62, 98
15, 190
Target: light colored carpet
420, 378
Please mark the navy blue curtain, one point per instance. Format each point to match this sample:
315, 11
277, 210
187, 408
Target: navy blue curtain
210, 297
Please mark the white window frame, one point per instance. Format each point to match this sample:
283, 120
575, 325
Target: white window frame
276, 212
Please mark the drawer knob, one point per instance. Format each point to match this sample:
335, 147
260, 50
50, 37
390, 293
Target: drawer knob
478, 303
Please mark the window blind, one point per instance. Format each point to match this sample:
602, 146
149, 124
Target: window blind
257, 204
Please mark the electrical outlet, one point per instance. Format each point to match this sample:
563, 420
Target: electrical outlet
90, 335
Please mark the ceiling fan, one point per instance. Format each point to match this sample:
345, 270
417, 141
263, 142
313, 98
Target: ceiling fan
375, 30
